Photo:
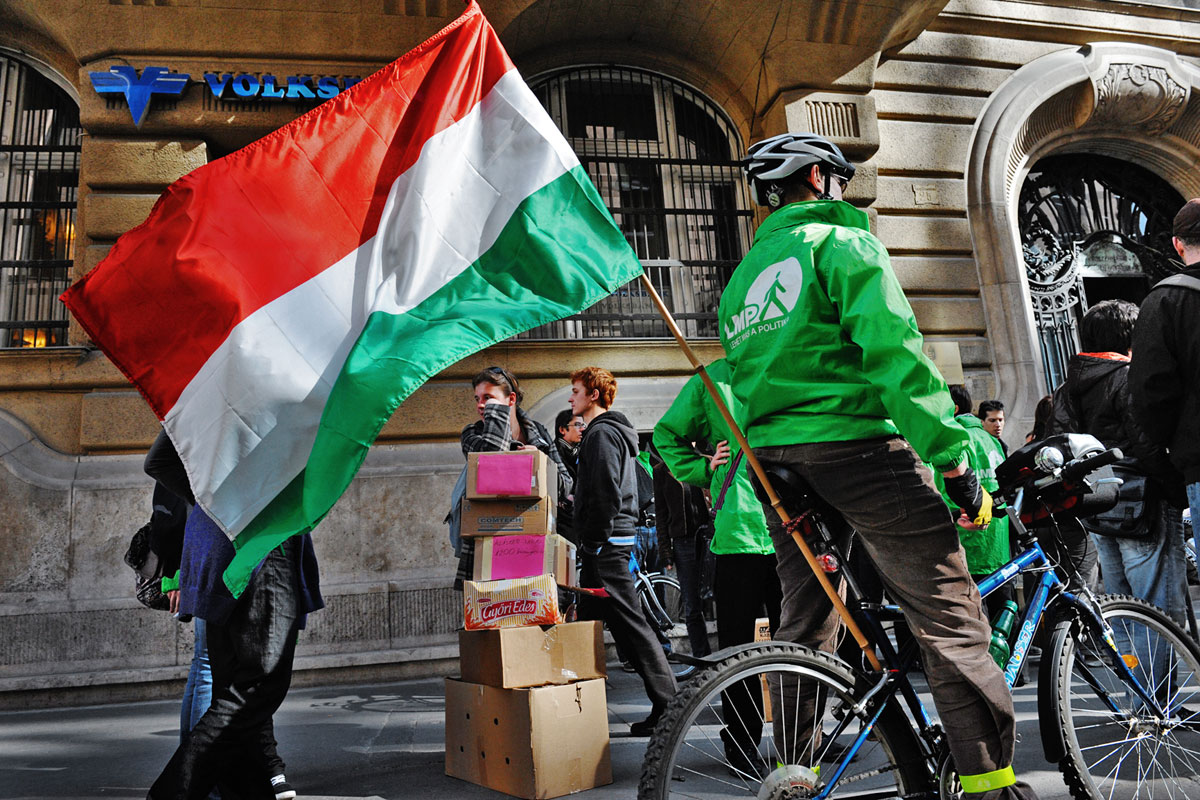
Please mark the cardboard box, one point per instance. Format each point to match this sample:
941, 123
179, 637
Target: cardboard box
513, 658
533, 743
762, 633
511, 474
492, 517
510, 603
523, 556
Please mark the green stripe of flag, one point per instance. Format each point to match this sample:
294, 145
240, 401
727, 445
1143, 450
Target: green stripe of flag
559, 253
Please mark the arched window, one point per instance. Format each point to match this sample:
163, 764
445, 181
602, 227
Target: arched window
39, 182
665, 160
1092, 228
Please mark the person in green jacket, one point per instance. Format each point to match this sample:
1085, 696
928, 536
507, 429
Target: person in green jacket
987, 550
746, 585
827, 365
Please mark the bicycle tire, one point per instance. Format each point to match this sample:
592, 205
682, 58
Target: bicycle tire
687, 756
1127, 753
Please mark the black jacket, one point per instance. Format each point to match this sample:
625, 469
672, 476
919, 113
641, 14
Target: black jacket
1164, 380
1095, 399
606, 495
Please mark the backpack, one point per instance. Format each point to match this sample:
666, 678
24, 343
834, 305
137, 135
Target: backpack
1182, 281
156, 545
147, 579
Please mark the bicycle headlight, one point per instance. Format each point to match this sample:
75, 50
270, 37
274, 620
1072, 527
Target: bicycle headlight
1048, 459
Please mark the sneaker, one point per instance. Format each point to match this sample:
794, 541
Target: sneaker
283, 791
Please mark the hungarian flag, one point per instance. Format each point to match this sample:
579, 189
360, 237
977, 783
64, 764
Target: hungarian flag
278, 304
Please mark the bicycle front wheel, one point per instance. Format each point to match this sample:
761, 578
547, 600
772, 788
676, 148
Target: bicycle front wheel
1115, 744
776, 720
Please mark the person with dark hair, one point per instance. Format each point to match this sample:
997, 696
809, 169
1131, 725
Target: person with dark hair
501, 423
568, 429
1164, 376
991, 414
251, 645
1041, 417
606, 515
988, 549
961, 399
1095, 399
827, 364
683, 518
746, 584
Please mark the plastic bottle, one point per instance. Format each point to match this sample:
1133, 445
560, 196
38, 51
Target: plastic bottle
1002, 628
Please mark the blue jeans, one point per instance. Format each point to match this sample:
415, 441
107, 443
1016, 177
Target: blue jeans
197, 693
646, 549
1193, 496
1151, 569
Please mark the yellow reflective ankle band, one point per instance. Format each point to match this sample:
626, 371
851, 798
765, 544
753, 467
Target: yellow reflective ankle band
987, 781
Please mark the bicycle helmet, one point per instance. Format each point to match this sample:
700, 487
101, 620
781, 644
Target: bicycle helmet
772, 161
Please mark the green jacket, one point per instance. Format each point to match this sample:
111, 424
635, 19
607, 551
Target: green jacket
739, 526
987, 550
822, 341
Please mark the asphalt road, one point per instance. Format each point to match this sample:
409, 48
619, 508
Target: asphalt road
383, 741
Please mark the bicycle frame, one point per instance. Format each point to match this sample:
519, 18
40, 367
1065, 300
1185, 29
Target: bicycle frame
894, 680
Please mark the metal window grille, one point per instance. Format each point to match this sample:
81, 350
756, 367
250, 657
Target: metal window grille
665, 161
39, 180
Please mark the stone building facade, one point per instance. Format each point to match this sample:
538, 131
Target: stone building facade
949, 105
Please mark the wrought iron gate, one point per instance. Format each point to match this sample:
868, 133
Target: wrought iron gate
1091, 228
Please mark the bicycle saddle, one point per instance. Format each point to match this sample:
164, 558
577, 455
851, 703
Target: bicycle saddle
796, 494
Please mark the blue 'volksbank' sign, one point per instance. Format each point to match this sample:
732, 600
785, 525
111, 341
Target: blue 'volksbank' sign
138, 89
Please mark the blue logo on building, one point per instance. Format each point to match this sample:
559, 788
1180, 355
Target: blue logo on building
138, 89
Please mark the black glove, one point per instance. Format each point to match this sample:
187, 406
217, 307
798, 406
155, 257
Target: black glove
589, 569
966, 493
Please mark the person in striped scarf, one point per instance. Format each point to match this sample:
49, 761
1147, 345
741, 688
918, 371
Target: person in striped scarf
502, 422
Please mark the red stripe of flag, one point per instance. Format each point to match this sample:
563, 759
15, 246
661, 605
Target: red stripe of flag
237, 233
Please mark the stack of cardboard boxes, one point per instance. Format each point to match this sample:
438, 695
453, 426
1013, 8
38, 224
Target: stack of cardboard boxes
529, 715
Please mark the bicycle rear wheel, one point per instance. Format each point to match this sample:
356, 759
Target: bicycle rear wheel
1116, 746
670, 596
727, 735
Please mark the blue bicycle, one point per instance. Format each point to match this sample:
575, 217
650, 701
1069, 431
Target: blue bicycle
1118, 684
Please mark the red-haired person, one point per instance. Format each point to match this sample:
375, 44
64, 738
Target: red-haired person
606, 514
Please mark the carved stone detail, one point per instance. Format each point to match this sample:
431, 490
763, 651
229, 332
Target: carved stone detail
1143, 96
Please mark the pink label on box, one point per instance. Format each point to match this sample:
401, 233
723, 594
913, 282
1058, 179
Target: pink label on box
505, 474
518, 556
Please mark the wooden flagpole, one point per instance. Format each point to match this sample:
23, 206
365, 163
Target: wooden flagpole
823, 579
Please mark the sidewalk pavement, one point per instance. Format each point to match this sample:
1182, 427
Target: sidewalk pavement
366, 741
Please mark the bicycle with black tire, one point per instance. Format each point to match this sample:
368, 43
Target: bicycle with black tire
1118, 685
662, 603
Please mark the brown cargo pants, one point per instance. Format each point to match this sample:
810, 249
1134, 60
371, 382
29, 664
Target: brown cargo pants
888, 496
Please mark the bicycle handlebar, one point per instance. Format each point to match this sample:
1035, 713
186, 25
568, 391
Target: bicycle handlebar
1073, 472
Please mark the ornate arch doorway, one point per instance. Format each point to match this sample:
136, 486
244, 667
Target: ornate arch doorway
1124, 101
1092, 228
